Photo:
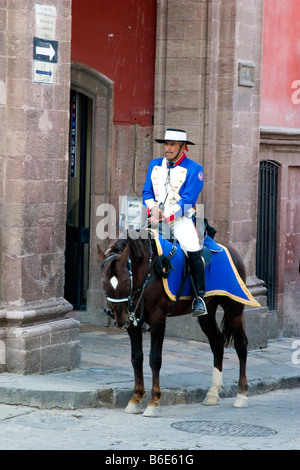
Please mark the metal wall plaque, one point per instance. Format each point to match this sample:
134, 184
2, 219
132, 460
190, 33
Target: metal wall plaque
246, 74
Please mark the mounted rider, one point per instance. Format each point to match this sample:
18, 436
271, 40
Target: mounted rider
170, 192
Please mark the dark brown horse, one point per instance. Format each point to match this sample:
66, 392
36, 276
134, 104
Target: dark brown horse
133, 290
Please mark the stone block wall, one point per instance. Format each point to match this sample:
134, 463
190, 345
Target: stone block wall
202, 46
33, 157
282, 146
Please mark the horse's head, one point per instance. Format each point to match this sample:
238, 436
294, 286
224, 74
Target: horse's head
116, 278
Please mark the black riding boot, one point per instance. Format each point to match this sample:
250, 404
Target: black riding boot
197, 272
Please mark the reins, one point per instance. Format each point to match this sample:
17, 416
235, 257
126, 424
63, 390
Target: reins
131, 310
162, 267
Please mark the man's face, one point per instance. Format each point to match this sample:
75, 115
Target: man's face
173, 149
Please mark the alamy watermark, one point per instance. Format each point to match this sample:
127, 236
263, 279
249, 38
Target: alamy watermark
109, 228
2, 353
296, 94
296, 353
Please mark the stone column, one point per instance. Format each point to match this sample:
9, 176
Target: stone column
182, 50
208, 69
236, 158
34, 133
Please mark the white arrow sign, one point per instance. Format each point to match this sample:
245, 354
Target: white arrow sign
46, 51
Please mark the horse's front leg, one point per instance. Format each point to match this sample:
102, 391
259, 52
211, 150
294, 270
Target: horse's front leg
135, 403
155, 361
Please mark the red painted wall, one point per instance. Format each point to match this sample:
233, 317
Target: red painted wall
280, 94
117, 38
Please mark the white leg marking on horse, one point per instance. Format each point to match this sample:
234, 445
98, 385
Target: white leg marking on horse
212, 396
114, 282
241, 401
133, 408
152, 412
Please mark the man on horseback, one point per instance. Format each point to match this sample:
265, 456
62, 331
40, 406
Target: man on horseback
170, 193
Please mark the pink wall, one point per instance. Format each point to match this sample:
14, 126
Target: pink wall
117, 38
280, 102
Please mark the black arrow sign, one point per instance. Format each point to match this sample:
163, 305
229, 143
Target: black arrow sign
45, 50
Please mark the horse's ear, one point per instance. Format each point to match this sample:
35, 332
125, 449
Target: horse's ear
125, 254
101, 255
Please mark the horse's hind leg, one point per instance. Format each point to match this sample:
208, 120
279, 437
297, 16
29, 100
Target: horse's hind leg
234, 327
135, 404
210, 328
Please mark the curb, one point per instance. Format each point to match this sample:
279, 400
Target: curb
118, 397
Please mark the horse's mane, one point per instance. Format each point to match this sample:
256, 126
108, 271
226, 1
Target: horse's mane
139, 242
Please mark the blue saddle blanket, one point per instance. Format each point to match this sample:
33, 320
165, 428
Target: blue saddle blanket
221, 275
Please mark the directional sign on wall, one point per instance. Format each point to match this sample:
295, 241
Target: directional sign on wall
45, 50
43, 72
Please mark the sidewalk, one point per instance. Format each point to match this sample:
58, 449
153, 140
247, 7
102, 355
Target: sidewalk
105, 377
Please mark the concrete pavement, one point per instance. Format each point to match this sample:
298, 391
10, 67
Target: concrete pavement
105, 377
271, 422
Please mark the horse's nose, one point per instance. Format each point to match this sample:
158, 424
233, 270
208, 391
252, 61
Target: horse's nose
121, 325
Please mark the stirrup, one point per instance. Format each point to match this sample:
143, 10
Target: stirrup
199, 307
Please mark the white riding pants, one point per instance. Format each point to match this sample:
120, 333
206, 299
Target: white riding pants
185, 232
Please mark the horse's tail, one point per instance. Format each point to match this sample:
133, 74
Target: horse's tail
226, 332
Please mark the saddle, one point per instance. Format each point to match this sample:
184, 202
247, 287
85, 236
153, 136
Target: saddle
222, 277
166, 233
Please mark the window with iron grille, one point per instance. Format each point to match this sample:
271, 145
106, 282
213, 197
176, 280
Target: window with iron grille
266, 249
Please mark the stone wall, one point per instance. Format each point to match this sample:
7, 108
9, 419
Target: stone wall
208, 71
282, 146
34, 151
201, 46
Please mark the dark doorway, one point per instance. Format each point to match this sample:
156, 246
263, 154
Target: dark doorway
266, 250
78, 209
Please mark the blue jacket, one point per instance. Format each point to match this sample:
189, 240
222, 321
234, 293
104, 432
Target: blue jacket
176, 187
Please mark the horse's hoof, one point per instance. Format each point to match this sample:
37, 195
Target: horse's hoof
133, 408
210, 400
241, 401
152, 411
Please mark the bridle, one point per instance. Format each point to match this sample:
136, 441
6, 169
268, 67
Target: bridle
124, 299
131, 308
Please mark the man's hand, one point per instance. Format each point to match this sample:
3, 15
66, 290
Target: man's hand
156, 216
